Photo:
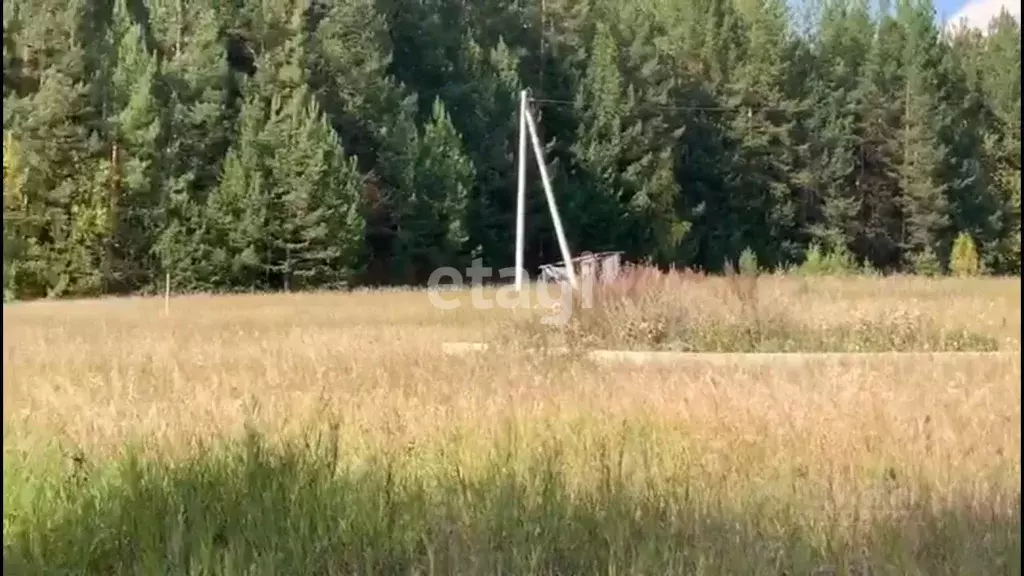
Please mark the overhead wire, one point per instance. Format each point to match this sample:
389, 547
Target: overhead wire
683, 107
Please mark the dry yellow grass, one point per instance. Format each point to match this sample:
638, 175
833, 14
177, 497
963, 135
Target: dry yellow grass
845, 445
98, 372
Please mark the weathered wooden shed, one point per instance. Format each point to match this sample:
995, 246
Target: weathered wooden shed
600, 267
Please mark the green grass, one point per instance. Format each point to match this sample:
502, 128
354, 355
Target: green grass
252, 507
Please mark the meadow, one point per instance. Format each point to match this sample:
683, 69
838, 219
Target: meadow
326, 434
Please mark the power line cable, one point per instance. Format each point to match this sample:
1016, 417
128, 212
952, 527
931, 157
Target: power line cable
684, 108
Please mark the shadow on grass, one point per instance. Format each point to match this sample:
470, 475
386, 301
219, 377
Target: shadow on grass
249, 508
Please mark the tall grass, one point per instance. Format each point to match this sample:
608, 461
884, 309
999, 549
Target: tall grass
140, 443
645, 308
257, 507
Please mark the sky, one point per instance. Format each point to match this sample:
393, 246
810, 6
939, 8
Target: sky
977, 12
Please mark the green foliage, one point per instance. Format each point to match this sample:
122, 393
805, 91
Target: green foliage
432, 217
257, 506
924, 199
180, 139
748, 263
835, 262
963, 261
814, 261
926, 263
868, 269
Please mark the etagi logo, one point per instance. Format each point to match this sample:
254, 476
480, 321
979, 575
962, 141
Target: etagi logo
557, 298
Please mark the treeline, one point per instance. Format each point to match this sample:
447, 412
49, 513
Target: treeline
289, 144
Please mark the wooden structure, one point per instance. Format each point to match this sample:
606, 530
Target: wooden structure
601, 267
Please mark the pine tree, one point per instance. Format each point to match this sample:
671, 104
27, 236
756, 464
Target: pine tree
1000, 83
878, 110
596, 204
762, 126
432, 229
630, 199
313, 197
975, 206
299, 144
350, 55
20, 248
657, 225
923, 199
235, 215
64, 223
197, 134
844, 41
490, 132
135, 132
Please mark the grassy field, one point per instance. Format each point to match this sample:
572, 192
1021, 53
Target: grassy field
325, 434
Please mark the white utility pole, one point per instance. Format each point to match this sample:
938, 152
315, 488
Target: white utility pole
546, 180
521, 190
167, 294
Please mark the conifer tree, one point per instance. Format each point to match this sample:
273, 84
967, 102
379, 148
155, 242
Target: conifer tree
135, 135
298, 144
198, 117
833, 120
879, 109
762, 125
924, 199
432, 229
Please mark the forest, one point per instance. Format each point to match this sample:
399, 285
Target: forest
236, 145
